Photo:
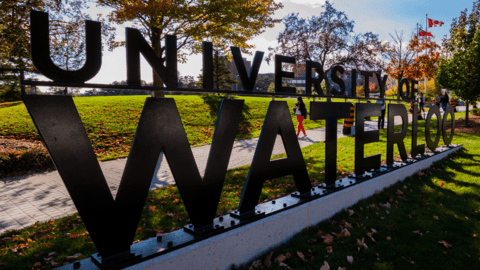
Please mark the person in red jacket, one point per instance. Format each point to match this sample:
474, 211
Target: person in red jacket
301, 113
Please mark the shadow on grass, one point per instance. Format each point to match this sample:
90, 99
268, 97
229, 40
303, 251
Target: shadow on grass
245, 127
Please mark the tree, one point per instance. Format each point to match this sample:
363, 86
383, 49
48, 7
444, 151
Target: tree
328, 39
414, 59
66, 29
460, 70
263, 81
432, 89
271, 88
222, 76
225, 23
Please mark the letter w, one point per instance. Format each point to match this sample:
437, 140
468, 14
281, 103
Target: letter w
112, 222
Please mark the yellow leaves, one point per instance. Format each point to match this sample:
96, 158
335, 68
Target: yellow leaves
175, 201
441, 184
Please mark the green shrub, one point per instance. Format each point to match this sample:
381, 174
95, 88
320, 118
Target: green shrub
476, 111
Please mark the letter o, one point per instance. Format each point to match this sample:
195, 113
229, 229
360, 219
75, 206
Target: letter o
448, 139
433, 144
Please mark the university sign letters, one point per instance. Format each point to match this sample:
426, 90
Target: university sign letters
112, 222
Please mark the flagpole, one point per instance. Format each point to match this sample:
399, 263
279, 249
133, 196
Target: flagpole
426, 21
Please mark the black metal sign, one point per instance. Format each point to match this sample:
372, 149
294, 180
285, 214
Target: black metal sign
112, 222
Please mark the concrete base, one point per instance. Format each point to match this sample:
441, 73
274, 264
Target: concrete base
243, 244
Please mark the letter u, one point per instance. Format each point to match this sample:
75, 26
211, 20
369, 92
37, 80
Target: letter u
40, 50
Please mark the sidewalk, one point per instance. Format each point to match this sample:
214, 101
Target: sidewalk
43, 196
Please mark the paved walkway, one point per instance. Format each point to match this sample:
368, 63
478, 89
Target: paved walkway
43, 196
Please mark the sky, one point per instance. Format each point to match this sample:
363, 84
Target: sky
377, 16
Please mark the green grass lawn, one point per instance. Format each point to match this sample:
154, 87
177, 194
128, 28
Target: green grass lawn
111, 122
47, 245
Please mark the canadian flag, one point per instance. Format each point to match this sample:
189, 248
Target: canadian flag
423, 33
434, 23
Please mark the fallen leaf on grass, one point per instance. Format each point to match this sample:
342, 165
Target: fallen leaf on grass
280, 258
345, 232
350, 259
474, 236
268, 260
300, 254
284, 265
350, 212
418, 232
329, 249
374, 231
441, 184
257, 264
74, 256
445, 244
389, 238
420, 173
370, 235
466, 218
342, 268
327, 239
37, 264
387, 205
399, 192
325, 266
312, 241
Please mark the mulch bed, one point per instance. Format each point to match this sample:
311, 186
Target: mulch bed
7, 144
19, 157
473, 125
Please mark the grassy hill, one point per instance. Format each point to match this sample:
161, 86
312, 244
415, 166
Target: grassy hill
111, 122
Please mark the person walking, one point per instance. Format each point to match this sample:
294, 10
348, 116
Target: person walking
437, 100
421, 101
444, 99
301, 112
381, 118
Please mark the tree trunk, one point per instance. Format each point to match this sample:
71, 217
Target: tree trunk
466, 115
157, 48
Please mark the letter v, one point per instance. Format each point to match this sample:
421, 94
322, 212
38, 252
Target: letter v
248, 82
112, 223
